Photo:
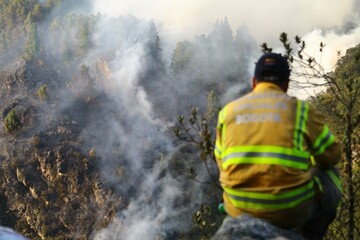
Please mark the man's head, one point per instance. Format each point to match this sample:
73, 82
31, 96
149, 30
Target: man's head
274, 68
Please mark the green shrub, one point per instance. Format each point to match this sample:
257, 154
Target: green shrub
42, 92
12, 122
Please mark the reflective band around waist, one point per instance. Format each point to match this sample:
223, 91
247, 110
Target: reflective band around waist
266, 155
265, 201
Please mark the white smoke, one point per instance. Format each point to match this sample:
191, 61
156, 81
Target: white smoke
139, 135
148, 216
265, 19
179, 20
335, 47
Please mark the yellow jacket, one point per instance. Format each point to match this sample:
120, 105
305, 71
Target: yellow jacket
263, 147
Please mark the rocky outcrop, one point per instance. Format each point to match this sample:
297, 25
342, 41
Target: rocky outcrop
249, 228
10, 234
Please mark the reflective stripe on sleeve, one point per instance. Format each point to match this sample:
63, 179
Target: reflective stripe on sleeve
323, 141
335, 178
217, 151
220, 118
224, 128
265, 155
300, 124
220, 127
266, 201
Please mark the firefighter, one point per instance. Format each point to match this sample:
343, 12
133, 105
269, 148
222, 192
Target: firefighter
276, 157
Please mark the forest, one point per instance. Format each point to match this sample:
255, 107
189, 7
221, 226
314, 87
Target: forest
102, 137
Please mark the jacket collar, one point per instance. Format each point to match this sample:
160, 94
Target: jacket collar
263, 86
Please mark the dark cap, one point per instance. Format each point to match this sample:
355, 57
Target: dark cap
272, 64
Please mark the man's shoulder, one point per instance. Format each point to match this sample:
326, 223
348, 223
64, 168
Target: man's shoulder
269, 95
273, 96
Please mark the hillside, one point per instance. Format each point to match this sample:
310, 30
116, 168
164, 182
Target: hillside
87, 149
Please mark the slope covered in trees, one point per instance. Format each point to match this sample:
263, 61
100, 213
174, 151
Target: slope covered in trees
340, 106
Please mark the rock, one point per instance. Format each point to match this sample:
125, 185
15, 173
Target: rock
248, 228
9, 234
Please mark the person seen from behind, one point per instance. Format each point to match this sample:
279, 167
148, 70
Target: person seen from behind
277, 158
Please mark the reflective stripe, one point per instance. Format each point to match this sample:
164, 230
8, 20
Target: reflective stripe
300, 124
220, 126
217, 151
265, 158
266, 201
335, 179
220, 118
312, 161
319, 184
223, 115
323, 141
265, 155
224, 127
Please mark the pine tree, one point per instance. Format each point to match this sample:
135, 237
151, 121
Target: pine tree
31, 49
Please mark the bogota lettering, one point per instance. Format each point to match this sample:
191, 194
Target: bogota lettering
257, 117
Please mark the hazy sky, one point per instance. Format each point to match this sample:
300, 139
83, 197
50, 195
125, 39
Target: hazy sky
265, 19
316, 21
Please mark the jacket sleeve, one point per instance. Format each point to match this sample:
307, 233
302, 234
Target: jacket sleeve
322, 144
218, 142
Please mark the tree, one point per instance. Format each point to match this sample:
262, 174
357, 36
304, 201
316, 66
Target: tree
32, 45
42, 92
12, 122
182, 56
49, 4
84, 37
343, 102
197, 131
152, 59
38, 12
